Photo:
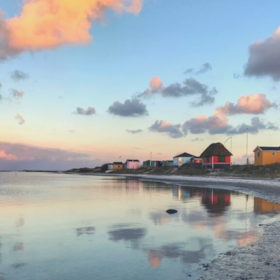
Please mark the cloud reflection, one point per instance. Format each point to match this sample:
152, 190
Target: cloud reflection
85, 230
18, 265
18, 247
127, 234
178, 251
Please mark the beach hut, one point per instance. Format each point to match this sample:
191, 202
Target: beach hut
216, 156
117, 165
167, 163
182, 159
266, 155
107, 166
196, 160
153, 163
132, 164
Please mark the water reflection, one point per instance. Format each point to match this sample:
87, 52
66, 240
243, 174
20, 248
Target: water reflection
132, 232
19, 246
262, 206
156, 187
132, 186
20, 222
126, 234
85, 230
155, 258
215, 201
18, 265
179, 251
159, 218
182, 193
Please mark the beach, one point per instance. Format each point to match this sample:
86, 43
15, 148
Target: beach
259, 260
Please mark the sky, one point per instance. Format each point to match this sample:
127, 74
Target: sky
94, 81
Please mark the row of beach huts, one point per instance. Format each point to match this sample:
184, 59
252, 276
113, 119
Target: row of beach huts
215, 156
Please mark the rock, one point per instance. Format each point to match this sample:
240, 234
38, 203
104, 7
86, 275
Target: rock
171, 211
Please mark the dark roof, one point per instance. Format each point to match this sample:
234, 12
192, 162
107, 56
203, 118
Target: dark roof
196, 157
117, 163
132, 160
185, 155
269, 148
216, 149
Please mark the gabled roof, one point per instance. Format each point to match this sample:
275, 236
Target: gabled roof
267, 148
216, 149
117, 163
196, 157
184, 155
132, 160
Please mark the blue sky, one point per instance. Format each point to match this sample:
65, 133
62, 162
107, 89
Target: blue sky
165, 39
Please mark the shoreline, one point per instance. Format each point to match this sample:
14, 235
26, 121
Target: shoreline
268, 189
258, 260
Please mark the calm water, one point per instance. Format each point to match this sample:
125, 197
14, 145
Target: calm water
82, 227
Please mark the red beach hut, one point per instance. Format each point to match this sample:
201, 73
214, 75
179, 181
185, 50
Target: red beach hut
216, 156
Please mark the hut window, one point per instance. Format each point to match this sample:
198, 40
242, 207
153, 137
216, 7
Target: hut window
180, 160
273, 154
258, 154
207, 159
221, 158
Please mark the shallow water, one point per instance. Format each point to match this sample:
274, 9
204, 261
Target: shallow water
84, 227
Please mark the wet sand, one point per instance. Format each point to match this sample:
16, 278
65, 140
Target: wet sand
259, 260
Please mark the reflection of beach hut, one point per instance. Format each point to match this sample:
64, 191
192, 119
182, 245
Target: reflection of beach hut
132, 185
262, 206
181, 193
182, 159
216, 201
216, 156
266, 155
118, 165
132, 164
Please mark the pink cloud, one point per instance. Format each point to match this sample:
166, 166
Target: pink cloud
218, 123
155, 84
48, 24
5, 156
247, 104
20, 156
